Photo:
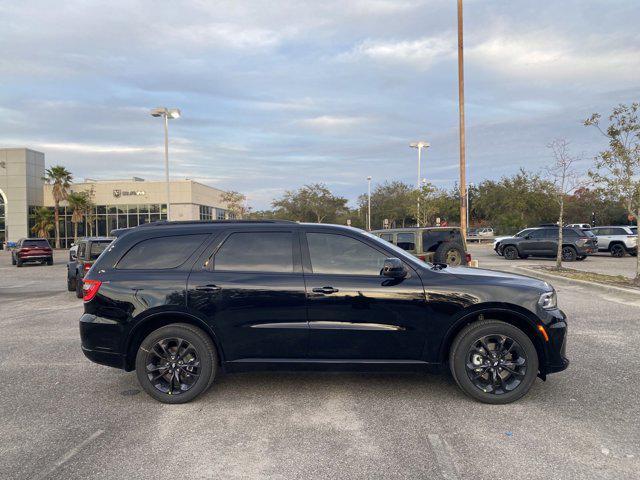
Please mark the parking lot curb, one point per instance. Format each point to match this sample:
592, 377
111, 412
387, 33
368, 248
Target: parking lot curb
601, 286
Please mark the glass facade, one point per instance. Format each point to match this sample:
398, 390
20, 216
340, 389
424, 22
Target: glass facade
2, 221
103, 219
213, 213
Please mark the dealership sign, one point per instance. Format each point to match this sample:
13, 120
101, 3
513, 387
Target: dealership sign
128, 193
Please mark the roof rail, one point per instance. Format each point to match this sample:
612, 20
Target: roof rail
205, 222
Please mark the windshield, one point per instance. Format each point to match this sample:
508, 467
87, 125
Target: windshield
400, 252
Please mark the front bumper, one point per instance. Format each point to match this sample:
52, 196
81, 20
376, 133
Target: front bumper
555, 350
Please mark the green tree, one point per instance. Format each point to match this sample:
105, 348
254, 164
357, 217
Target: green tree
311, 203
43, 222
236, 204
82, 205
618, 167
61, 179
393, 201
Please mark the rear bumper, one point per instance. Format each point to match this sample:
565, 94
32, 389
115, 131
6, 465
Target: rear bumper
101, 340
27, 258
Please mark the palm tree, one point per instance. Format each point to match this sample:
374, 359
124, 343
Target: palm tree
43, 222
81, 204
61, 179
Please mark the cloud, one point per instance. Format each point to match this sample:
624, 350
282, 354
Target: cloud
333, 122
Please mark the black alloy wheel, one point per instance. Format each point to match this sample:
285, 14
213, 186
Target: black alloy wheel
176, 363
510, 252
617, 250
493, 361
569, 254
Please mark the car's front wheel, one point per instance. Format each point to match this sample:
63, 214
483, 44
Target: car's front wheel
510, 252
493, 361
176, 363
617, 250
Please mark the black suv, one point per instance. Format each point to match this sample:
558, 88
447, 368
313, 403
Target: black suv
543, 242
180, 301
89, 249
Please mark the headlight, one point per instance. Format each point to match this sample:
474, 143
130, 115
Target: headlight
548, 300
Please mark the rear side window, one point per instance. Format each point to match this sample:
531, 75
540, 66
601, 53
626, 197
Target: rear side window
406, 241
161, 253
256, 252
618, 231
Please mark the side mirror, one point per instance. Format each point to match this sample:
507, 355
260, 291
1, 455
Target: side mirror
394, 268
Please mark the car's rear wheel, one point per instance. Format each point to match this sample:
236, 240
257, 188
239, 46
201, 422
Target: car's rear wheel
450, 253
493, 361
510, 252
617, 250
176, 363
569, 254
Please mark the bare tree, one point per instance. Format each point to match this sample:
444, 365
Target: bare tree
618, 168
565, 180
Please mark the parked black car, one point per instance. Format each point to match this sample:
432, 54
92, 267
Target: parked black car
89, 249
543, 242
180, 301
32, 250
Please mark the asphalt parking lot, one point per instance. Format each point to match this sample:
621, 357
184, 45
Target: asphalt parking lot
64, 417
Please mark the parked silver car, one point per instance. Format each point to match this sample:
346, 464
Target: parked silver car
618, 240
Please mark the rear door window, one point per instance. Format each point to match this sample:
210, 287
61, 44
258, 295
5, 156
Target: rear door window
161, 252
406, 241
256, 252
618, 231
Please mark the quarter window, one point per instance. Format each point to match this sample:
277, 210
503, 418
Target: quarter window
256, 252
161, 253
342, 255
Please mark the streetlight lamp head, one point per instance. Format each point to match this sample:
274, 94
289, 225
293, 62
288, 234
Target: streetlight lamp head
168, 112
419, 144
174, 113
369, 177
158, 112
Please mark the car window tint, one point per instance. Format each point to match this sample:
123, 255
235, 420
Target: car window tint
161, 253
339, 254
256, 252
36, 243
571, 233
618, 231
604, 231
387, 236
406, 241
81, 249
97, 248
536, 233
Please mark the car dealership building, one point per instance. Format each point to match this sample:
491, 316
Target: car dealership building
119, 203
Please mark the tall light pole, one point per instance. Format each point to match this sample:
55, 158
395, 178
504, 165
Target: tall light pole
166, 114
419, 145
463, 164
369, 203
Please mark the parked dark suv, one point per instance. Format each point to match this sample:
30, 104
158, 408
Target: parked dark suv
89, 249
32, 250
543, 242
180, 301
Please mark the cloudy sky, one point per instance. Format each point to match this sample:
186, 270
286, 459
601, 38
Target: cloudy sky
276, 94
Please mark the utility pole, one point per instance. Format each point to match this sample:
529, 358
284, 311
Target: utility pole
463, 163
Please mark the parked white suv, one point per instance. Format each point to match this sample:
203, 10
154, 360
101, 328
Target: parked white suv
616, 239
579, 225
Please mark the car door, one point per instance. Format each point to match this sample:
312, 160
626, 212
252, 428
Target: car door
604, 237
355, 313
250, 288
532, 242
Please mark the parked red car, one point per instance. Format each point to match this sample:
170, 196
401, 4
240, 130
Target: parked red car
32, 250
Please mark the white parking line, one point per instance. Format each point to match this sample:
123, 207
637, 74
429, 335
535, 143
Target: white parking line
443, 456
69, 455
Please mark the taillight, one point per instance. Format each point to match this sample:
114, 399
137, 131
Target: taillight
468, 257
86, 266
90, 288
422, 257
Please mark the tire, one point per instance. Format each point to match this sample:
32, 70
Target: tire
510, 252
79, 292
49, 261
461, 354
18, 262
569, 254
71, 284
617, 250
169, 336
13, 260
450, 253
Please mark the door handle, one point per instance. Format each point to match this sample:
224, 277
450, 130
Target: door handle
208, 288
326, 290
